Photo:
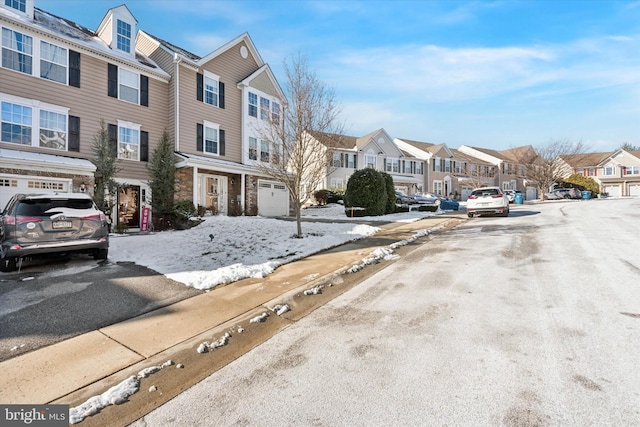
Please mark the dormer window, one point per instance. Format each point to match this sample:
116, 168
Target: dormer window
24, 7
19, 5
124, 36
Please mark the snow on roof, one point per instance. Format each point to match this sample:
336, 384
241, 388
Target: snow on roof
72, 32
18, 156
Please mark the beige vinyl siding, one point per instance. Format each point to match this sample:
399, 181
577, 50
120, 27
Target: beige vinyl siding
231, 68
91, 103
263, 83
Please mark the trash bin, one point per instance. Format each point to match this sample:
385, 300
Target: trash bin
586, 195
519, 198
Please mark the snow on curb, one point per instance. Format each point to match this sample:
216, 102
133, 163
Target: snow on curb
387, 253
116, 395
206, 346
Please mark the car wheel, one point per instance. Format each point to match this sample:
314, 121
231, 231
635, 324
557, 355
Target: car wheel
8, 264
506, 212
470, 215
101, 254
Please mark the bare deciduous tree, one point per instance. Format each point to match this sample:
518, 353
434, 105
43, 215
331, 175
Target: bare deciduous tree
544, 167
298, 160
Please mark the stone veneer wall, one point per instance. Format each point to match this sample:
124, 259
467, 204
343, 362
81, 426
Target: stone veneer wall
184, 184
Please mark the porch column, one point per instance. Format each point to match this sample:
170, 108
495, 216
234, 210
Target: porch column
243, 182
195, 187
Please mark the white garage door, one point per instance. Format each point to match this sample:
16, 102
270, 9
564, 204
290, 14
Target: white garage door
634, 189
11, 184
273, 199
612, 190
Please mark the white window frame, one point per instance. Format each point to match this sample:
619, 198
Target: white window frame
215, 127
370, 161
337, 183
275, 112
124, 75
253, 145
49, 136
61, 62
336, 162
36, 107
393, 165
438, 187
609, 170
447, 165
265, 107
351, 161
211, 89
437, 164
265, 155
419, 169
252, 106
125, 147
15, 48
21, 5
632, 170
123, 40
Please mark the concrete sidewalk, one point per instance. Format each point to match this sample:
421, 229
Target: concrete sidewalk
54, 373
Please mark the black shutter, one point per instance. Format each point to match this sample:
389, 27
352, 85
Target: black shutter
433, 165
222, 143
74, 68
113, 139
144, 91
384, 164
112, 89
144, 146
74, 133
199, 87
221, 94
199, 137
355, 161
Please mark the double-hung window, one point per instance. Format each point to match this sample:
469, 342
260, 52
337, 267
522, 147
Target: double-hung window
393, 165
419, 168
253, 148
53, 130
129, 85
264, 108
264, 151
253, 105
17, 122
53, 62
211, 138
128, 140
609, 170
211, 91
632, 170
337, 160
275, 112
124, 36
370, 161
17, 51
33, 123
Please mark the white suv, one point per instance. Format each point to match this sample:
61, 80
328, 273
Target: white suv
487, 200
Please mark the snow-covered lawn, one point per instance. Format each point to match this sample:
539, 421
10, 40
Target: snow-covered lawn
224, 249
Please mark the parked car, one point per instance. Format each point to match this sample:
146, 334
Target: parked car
426, 198
403, 199
449, 205
37, 224
568, 193
487, 200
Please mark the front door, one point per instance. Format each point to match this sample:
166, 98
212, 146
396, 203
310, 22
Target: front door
214, 194
129, 206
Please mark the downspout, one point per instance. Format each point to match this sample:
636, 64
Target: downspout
176, 61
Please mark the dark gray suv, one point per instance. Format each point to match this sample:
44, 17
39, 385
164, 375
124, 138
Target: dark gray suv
37, 224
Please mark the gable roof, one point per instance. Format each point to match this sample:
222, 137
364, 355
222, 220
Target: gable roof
585, 159
517, 154
469, 158
335, 140
264, 69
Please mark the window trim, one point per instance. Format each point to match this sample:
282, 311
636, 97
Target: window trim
253, 151
250, 104
36, 107
30, 55
214, 126
122, 124
121, 38
215, 94
121, 84
65, 66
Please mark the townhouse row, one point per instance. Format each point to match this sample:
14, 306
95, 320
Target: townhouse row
59, 81
418, 167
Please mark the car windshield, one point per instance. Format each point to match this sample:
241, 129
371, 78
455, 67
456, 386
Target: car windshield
41, 207
486, 192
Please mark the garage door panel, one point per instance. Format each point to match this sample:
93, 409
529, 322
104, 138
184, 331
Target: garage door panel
634, 190
612, 190
273, 199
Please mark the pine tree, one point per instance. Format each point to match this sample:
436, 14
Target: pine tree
105, 160
163, 177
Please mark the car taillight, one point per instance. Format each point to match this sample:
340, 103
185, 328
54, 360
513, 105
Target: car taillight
472, 197
497, 196
21, 219
100, 216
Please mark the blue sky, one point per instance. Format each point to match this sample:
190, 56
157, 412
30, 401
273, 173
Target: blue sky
493, 74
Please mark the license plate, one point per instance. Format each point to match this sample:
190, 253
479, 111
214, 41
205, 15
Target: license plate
62, 224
